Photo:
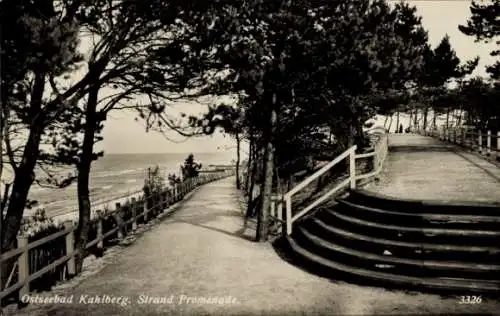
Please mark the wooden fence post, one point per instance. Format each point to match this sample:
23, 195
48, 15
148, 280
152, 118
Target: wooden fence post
70, 248
463, 137
134, 213
165, 199
23, 265
288, 208
145, 209
169, 197
162, 202
280, 214
480, 142
498, 145
119, 220
100, 243
352, 169
488, 143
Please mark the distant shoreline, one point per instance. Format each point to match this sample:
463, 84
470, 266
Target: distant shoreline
99, 204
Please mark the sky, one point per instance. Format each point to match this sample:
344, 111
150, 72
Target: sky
122, 134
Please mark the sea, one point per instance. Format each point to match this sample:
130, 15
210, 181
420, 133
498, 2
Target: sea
117, 175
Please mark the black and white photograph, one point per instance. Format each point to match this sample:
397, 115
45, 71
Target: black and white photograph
249, 157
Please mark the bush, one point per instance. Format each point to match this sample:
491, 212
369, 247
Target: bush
154, 181
173, 179
154, 185
191, 168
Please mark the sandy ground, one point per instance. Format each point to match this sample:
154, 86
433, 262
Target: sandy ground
204, 250
421, 167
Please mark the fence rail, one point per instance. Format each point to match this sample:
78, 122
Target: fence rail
486, 143
116, 223
378, 155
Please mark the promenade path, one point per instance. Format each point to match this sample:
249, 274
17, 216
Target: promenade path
203, 250
425, 168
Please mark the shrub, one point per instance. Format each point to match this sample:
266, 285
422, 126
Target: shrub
173, 179
154, 181
191, 168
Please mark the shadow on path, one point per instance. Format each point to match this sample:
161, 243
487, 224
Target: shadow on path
241, 233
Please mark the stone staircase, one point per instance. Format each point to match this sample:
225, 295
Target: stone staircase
378, 240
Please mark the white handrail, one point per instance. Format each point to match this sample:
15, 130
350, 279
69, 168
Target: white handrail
351, 153
380, 149
320, 172
321, 199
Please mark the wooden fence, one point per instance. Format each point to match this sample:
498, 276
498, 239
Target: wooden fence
377, 153
483, 142
39, 262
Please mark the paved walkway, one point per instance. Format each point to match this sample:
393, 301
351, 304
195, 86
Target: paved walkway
421, 167
203, 250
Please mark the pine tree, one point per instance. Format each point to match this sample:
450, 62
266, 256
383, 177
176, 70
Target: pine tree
483, 25
191, 168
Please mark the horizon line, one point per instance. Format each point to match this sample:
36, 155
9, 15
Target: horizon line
161, 153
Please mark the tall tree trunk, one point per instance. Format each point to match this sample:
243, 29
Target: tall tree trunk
360, 135
84, 165
410, 121
24, 177
251, 187
385, 121
351, 135
434, 118
415, 119
390, 124
3, 196
238, 182
426, 111
447, 117
249, 163
263, 219
460, 112
24, 174
397, 121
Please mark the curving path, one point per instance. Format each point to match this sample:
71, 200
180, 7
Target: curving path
422, 167
203, 250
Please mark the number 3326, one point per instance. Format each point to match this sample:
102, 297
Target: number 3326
467, 299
